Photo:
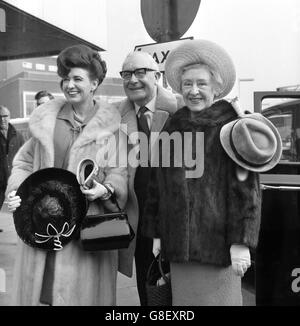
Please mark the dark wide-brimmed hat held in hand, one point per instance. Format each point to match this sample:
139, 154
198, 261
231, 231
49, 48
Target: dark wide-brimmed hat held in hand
51, 210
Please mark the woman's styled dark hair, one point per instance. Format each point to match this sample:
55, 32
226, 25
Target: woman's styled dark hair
81, 56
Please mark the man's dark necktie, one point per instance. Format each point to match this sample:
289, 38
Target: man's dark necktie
142, 121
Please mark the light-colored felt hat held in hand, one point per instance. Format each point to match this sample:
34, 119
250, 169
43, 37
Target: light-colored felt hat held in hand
252, 141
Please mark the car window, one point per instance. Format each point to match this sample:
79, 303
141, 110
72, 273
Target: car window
290, 140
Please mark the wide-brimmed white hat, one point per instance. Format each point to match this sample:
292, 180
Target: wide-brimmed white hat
253, 142
200, 51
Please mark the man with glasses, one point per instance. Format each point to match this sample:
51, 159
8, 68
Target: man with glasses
10, 142
147, 108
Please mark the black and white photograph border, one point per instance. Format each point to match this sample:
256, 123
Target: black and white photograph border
262, 40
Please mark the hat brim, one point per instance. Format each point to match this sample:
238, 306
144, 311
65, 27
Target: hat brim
200, 51
23, 219
225, 141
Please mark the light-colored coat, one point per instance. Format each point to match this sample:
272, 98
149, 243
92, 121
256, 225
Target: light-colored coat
80, 278
166, 104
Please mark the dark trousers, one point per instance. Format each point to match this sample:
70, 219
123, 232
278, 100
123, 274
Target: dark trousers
143, 259
144, 245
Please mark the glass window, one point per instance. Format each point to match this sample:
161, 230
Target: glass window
109, 99
285, 115
283, 122
29, 103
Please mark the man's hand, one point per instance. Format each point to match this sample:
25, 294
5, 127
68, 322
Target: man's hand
240, 259
13, 201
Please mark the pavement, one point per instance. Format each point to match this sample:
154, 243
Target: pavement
127, 294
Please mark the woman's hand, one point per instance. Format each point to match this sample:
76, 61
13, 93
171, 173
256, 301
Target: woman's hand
13, 201
97, 191
240, 259
156, 247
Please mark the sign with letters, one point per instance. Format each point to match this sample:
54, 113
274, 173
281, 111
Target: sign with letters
160, 51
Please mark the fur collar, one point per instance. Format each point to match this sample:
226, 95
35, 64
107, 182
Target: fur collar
219, 113
43, 119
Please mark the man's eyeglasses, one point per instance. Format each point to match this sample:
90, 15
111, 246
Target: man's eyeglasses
139, 73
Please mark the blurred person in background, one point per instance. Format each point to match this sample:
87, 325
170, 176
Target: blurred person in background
42, 97
10, 142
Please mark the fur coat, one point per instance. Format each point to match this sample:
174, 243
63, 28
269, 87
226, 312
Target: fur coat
79, 276
198, 219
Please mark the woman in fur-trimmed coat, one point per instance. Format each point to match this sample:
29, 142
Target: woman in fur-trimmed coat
206, 222
64, 133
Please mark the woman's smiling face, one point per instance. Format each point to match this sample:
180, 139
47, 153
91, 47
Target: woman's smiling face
197, 88
78, 87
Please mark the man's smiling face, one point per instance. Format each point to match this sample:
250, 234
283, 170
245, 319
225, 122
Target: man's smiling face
140, 90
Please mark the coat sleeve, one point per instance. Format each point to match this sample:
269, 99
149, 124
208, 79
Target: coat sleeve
22, 166
150, 225
244, 208
116, 172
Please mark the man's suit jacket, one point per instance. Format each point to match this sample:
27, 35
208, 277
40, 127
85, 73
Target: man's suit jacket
166, 104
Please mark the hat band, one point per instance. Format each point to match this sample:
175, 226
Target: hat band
65, 232
239, 157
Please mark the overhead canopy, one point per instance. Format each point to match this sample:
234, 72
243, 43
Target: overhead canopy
25, 36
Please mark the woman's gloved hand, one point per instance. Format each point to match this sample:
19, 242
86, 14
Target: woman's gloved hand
156, 247
13, 201
97, 191
240, 259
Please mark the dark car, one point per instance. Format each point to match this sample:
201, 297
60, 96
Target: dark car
275, 272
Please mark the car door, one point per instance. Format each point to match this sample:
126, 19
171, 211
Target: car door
277, 257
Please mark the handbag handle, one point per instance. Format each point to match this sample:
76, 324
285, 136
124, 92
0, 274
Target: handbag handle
113, 197
86, 172
163, 275
166, 279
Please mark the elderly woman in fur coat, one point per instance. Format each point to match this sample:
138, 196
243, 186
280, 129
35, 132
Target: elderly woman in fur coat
63, 133
206, 224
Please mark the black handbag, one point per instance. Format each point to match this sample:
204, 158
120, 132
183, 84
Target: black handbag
105, 231
108, 231
158, 283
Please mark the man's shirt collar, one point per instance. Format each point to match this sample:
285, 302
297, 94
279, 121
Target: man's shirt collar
150, 105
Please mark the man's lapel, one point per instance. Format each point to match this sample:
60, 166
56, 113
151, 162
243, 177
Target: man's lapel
158, 122
129, 120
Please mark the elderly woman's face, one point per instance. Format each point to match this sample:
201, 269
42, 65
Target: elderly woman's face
197, 88
78, 87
